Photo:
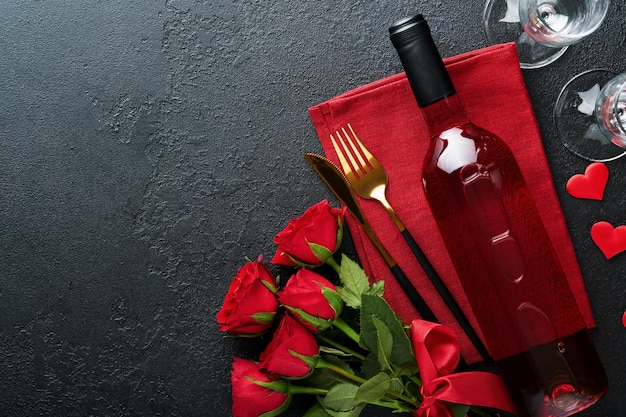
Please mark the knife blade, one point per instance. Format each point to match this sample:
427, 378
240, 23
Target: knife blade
339, 185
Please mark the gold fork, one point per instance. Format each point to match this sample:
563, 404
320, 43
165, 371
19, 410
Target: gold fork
369, 180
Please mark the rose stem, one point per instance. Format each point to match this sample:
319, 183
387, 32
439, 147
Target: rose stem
297, 389
333, 263
347, 330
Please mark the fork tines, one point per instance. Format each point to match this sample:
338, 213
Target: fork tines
356, 151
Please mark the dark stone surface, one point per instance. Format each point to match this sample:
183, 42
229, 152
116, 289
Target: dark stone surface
148, 147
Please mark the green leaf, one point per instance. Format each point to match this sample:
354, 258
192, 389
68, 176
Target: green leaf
352, 276
373, 389
407, 368
377, 288
356, 412
380, 358
334, 299
355, 282
319, 323
270, 286
350, 298
370, 366
341, 397
299, 263
278, 411
384, 344
339, 231
321, 252
373, 306
338, 362
325, 378
397, 385
316, 411
262, 317
311, 361
459, 410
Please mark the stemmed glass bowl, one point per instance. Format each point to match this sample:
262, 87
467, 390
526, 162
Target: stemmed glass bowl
590, 115
542, 29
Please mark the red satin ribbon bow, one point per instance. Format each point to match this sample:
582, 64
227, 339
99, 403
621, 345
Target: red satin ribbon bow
438, 354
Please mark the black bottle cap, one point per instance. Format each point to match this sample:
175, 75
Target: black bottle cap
420, 58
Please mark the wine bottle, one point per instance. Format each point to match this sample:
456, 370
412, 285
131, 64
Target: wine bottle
499, 246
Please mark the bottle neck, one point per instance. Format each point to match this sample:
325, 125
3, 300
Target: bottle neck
444, 114
427, 75
420, 58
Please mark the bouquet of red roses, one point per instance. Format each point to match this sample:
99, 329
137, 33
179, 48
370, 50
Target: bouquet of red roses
340, 342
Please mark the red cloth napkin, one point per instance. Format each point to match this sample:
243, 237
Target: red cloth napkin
388, 121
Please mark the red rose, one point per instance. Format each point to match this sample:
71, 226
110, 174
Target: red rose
255, 392
320, 225
250, 304
312, 299
278, 357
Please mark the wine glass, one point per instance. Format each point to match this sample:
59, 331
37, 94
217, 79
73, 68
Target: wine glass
590, 115
542, 29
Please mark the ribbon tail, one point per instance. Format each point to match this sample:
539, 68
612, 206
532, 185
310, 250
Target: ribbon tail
482, 389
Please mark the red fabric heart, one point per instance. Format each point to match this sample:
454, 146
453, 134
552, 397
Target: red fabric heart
610, 240
624, 319
591, 184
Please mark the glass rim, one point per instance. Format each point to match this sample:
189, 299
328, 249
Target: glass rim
597, 76
568, 39
616, 110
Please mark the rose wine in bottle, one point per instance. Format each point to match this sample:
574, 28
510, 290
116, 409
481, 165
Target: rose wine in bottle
499, 246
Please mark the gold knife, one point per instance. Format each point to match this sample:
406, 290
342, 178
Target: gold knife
339, 185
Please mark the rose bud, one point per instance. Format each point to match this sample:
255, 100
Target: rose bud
284, 355
319, 227
255, 392
312, 299
250, 305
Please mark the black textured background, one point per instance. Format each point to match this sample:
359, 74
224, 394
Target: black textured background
147, 147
